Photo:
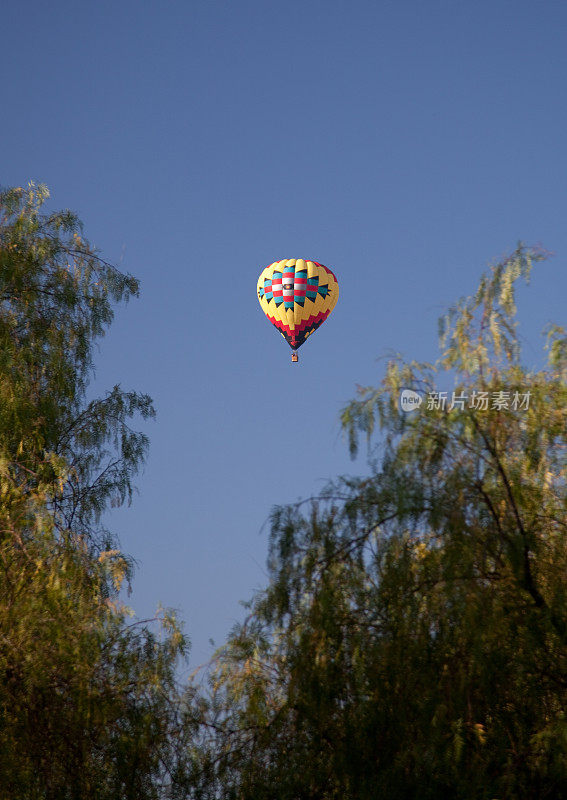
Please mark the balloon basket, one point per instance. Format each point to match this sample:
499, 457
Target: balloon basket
294, 357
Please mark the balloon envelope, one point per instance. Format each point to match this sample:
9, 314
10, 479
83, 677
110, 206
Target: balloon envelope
297, 296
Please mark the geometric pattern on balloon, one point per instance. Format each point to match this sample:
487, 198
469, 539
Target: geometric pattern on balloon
297, 296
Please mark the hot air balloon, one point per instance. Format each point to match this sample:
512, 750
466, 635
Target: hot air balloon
297, 296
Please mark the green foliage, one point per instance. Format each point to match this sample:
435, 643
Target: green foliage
85, 694
88, 704
412, 642
56, 296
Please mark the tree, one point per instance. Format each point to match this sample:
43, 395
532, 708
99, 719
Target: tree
56, 297
88, 702
412, 640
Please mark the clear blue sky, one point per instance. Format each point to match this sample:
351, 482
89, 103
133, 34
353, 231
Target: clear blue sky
405, 145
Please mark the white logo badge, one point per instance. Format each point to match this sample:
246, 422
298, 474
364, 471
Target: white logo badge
410, 400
